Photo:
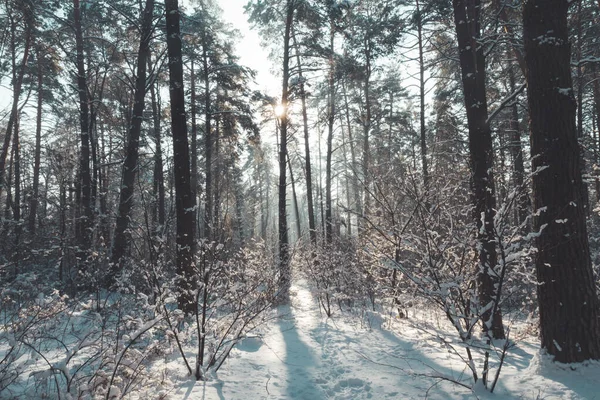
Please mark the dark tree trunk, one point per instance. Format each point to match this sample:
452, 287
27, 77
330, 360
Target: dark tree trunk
330, 122
472, 63
158, 188
208, 144
121, 240
295, 198
33, 205
516, 150
312, 228
423, 130
580, 88
17, 84
284, 262
17, 196
216, 177
194, 143
508, 26
366, 130
566, 290
348, 223
9, 180
84, 193
104, 185
184, 202
355, 186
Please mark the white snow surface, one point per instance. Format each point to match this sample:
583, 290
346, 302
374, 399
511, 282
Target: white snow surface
303, 355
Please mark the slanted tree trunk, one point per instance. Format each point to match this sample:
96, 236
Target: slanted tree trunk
17, 85
121, 239
472, 64
184, 202
567, 298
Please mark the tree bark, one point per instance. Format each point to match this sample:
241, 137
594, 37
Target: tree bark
472, 62
284, 262
423, 130
355, 186
121, 239
330, 124
566, 292
17, 196
580, 88
184, 202
158, 188
516, 150
366, 129
295, 198
17, 85
33, 205
312, 228
194, 143
208, 144
84, 193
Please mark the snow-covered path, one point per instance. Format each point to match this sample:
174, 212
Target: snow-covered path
305, 356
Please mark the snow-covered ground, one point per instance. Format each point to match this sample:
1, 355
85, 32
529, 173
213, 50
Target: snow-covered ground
304, 355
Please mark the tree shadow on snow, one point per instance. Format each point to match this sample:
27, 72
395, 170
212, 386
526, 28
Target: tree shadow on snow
298, 359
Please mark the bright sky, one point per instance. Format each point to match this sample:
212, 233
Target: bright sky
248, 47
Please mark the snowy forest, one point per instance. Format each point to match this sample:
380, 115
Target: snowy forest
413, 213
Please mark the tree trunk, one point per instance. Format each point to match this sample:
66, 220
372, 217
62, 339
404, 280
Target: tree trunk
366, 130
208, 143
423, 131
566, 291
18, 83
33, 205
330, 122
158, 188
295, 198
284, 266
472, 63
516, 150
355, 186
194, 143
121, 240
312, 228
580, 88
84, 193
184, 202
17, 196
216, 198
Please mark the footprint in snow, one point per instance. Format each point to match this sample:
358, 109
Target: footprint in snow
351, 388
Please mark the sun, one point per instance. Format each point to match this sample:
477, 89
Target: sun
279, 110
